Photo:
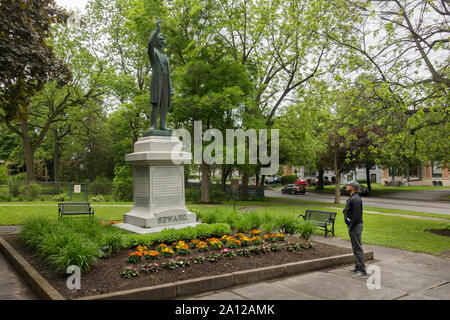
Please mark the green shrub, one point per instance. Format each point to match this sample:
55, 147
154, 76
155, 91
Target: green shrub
60, 197
31, 190
79, 251
254, 219
193, 195
3, 175
97, 198
288, 179
123, 183
268, 227
113, 241
101, 185
216, 194
288, 223
243, 224
33, 230
17, 181
306, 229
211, 216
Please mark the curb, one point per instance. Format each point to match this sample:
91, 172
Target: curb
185, 288
37, 283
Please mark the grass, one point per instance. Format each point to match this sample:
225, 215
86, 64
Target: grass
17, 215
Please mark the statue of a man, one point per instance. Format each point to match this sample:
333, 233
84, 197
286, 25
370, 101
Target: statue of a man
161, 90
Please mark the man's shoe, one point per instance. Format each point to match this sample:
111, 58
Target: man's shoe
360, 275
353, 271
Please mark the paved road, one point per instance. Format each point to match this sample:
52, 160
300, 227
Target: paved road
403, 276
421, 201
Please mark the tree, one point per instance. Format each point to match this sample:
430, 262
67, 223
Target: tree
27, 61
48, 106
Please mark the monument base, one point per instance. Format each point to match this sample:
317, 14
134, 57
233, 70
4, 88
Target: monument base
158, 186
140, 230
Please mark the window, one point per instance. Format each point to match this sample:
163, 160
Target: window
436, 170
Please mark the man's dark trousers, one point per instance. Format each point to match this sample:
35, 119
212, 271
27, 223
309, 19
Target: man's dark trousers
355, 238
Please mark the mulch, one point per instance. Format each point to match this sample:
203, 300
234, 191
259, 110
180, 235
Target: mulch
440, 232
104, 276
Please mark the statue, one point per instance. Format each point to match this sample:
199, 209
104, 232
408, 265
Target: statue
161, 89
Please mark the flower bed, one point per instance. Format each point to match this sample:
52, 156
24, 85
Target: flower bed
214, 249
115, 273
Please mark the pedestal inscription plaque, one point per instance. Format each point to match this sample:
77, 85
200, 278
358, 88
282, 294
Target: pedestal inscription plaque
167, 187
141, 186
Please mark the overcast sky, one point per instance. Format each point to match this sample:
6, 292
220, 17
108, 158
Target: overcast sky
72, 4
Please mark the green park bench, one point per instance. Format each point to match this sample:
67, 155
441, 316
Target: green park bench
323, 219
71, 209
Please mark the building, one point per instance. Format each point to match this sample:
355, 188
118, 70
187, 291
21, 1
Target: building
376, 174
421, 175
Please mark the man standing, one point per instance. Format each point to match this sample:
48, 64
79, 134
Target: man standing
161, 90
353, 218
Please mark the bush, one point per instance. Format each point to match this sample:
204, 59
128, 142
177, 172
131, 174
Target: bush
17, 181
68, 242
97, 198
101, 185
31, 190
193, 195
123, 183
288, 223
60, 197
3, 175
288, 179
306, 229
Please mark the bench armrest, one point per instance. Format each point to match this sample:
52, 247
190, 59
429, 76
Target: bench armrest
302, 215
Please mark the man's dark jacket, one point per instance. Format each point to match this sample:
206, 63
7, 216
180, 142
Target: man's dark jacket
353, 210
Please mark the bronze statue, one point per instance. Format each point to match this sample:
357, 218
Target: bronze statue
161, 89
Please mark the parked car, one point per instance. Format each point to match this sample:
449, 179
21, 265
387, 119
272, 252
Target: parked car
301, 182
293, 189
363, 191
270, 180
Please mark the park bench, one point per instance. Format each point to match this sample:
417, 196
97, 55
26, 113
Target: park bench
71, 209
322, 219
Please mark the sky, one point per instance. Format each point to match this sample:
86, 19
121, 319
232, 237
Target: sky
72, 4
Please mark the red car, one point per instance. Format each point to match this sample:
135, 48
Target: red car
301, 181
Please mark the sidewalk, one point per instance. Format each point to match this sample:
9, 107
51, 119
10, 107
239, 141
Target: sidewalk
404, 276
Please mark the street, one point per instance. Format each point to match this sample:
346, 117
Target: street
420, 201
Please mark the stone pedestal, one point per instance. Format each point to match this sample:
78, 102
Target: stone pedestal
159, 200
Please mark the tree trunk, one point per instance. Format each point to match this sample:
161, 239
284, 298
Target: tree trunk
56, 162
257, 179
225, 172
29, 152
320, 182
337, 185
205, 171
369, 183
244, 186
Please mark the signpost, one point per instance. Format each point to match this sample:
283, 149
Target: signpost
235, 191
